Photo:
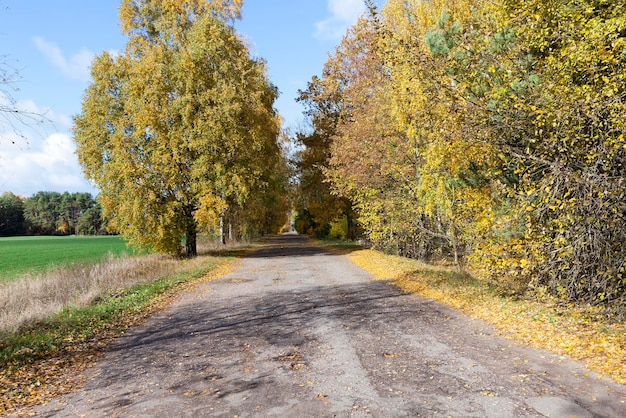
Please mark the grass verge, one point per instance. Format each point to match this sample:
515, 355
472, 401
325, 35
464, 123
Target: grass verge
42, 359
580, 333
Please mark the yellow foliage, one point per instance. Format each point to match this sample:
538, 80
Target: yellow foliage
159, 14
210, 208
165, 136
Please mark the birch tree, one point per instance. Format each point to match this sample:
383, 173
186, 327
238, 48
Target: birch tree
180, 126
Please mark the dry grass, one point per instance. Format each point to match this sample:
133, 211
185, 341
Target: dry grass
34, 297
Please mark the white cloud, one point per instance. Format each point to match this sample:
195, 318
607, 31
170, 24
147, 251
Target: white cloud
40, 158
48, 165
28, 118
76, 67
343, 14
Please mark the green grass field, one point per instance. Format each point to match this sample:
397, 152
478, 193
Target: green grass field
20, 255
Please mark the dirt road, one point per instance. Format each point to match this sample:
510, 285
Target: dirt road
298, 332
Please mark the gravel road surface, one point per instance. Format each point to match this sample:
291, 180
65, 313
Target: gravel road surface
299, 332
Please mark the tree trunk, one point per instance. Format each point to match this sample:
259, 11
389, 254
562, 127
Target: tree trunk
191, 249
459, 260
222, 231
350, 225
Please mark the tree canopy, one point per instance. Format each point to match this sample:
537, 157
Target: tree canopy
179, 131
492, 132
50, 213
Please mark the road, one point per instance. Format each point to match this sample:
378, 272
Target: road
296, 331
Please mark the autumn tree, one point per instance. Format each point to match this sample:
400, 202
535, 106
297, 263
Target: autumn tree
517, 112
371, 163
454, 69
265, 210
570, 150
543, 85
492, 131
179, 130
398, 148
316, 205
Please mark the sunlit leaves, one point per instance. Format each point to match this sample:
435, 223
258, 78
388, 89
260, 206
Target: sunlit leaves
571, 164
495, 130
180, 127
171, 18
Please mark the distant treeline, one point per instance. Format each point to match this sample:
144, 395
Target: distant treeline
50, 213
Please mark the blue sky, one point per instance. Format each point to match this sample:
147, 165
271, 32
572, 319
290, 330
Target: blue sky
51, 45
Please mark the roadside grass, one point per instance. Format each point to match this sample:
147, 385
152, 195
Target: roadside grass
40, 356
34, 297
31, 255
581, 333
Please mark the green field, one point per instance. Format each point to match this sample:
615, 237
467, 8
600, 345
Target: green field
20, 255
